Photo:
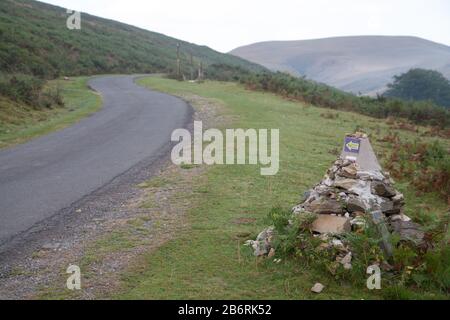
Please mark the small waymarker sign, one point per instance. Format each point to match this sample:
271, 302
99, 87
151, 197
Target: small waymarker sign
357, 148
352, 144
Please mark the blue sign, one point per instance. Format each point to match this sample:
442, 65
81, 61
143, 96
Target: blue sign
352, 144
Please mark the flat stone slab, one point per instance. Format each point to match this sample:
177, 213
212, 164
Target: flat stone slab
326, 223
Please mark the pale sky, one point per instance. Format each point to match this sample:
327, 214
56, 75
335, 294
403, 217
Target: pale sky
226, 24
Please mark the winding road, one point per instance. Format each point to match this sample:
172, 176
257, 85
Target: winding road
48, 174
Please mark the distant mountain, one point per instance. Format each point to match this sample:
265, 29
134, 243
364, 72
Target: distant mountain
34, 40
363, 64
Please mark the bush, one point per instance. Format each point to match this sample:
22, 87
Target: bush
427, 163
411, 267
225, 72
421, 84
19, 87
29, 90
300, 89
291, 231
50, 97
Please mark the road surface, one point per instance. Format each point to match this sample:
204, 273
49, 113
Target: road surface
48, 174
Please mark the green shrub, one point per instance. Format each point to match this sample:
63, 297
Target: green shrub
20, 87
291, 231
308, 91
365, 248
421, 84
437, 267
29, 90
50, 97
427, 163
411, 267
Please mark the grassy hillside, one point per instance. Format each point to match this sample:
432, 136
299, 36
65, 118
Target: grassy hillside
34, 40
363, 64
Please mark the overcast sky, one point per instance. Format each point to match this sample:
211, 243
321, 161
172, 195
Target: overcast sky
226, 24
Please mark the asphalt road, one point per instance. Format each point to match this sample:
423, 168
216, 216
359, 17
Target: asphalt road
48, 174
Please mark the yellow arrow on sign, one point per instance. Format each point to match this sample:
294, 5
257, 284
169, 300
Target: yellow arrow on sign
352, 145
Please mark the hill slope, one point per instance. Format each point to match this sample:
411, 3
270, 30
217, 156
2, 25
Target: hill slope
363, 64
34, 40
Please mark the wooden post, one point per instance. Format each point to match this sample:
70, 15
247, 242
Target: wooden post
192, 68
178, 62
200, 71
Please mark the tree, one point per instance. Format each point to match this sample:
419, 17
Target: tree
421, 84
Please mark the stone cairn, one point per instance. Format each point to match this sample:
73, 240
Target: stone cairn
353, 190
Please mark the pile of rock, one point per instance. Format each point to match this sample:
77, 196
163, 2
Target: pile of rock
353, 190
342, 199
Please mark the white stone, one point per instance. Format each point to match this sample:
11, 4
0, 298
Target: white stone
346, 259
401, 217
337, 243
347, 266
358, 221
317, 288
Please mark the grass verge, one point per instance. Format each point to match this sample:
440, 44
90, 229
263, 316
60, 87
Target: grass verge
20, 123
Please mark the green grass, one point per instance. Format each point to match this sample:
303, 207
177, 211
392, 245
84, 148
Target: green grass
209, 261
20, 123
156, 182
